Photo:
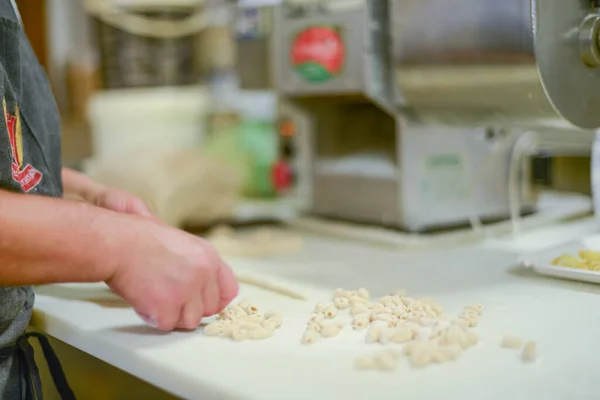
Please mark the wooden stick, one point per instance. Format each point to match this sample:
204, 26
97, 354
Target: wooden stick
271, 287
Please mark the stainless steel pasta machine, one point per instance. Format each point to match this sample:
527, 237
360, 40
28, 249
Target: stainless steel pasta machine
420, 114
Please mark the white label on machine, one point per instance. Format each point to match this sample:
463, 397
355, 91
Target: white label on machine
444, 179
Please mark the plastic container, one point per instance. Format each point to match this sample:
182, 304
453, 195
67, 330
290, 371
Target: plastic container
258, 135
133, 120
252, 145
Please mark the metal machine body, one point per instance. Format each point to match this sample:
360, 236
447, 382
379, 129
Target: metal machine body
407, 113
368, 160
526, 61
403, 175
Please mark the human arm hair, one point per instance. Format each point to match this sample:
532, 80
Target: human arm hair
47, 240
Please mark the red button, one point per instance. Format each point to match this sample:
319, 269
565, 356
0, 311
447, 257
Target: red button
282, 176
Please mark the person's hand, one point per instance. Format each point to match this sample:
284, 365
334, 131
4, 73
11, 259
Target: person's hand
122, 202
172, 279
78, 186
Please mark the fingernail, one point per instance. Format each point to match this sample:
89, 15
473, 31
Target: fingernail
148, 320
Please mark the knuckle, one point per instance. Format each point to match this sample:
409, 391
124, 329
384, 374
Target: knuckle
211, 252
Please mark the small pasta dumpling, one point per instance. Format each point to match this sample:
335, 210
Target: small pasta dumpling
373, 334
310, 336
529, 352
403, 335
357, 309
421, 359
330, 312
341, 302
511, 342
451, 352
275, 318
356, 299
315, 326
361, 321
260, 333
213, 329
461, 322
367, 362
239, 334
317, 317
363, 293
330, 330
386, 361
321, 307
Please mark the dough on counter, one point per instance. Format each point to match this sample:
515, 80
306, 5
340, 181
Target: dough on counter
330, 312
512, 342
363, 293
330, 330
322, 324
341, 302
373, 334
361, 321
386, 360
403, 335
358, 309
321, 307
419, 324
529, 352
244, 321
310, 336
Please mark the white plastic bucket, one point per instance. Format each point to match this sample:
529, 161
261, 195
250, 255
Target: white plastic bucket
133, 120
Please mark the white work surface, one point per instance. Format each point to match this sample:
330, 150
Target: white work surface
562, 317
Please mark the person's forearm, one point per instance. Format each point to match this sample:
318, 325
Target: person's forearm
46, 240
79, 186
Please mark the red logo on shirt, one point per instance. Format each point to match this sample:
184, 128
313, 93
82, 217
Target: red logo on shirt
27, 176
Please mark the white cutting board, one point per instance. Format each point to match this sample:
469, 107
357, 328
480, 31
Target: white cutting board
558, 315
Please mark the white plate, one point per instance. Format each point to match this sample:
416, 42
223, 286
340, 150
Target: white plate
541, 262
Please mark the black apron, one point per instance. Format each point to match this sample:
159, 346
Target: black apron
29, 163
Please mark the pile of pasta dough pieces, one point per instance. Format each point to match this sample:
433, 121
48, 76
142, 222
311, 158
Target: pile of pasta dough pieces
421, 326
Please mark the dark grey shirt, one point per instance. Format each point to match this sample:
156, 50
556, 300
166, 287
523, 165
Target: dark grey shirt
29, 162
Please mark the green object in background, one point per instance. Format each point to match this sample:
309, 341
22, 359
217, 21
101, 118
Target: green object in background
259, 140
250, 148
